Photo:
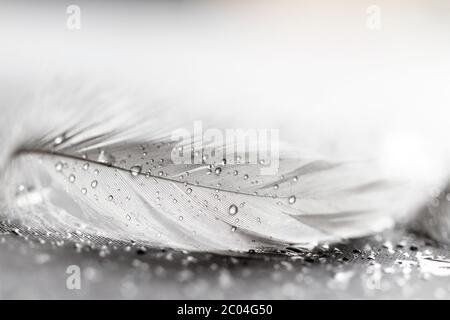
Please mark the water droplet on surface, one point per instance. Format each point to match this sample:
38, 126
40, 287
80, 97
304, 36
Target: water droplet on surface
245, 176
276, 187
295, 179
94, 184
72, 178
58, 140
96, 171
135, 170
189, 190
110, 198
292, 199
106, 158
59, 166
218, 170
233, 209
128, 217
233, 229
85, 166
180, 218
236, 172
84, 191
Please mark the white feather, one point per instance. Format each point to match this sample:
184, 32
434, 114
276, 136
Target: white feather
66, 186
366, 135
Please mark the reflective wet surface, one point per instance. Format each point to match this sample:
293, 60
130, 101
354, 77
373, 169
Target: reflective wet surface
391, 265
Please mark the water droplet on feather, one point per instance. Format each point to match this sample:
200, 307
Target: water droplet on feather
135, 170
233, 209
292, 199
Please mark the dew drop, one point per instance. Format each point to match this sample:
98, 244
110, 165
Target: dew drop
292, 199
236, 172
106, 158
233, 209
85, 166
180, 218
58, 140
189, 191
96, 172
59, 166
276, 187
233, 229
160, 173
72, 178
110, 198
135, 170
218, 170
94, 184
295, 179
245, 176
84, 191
